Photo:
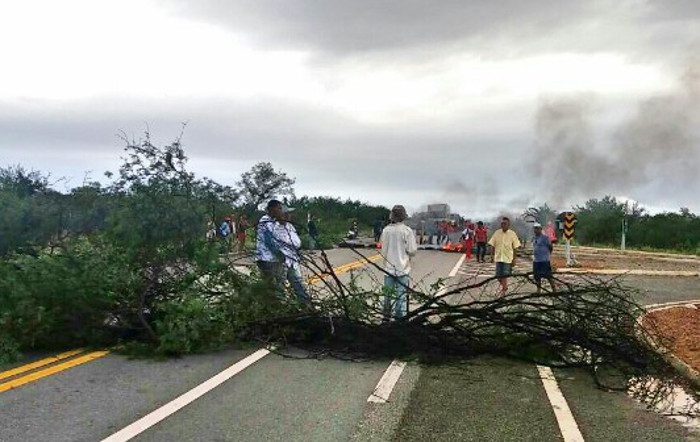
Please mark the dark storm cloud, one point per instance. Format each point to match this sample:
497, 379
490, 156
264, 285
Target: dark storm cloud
477, 158
672, 10
418, 29
351, 26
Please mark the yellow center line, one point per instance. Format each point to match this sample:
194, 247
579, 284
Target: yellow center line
345, 268
52, 370
39, 363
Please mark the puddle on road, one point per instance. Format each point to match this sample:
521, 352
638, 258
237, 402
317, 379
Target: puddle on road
671, 401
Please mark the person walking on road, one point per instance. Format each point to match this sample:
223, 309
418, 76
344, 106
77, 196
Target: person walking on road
503, 243
225, 232
232, 225
290, 246
241, 231
211, 231
542, 266
481, 235
468, 235
313, 232
378, 227
398, 246
268, 256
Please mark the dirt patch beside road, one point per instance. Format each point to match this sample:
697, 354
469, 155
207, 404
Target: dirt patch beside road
679, 328
618, 261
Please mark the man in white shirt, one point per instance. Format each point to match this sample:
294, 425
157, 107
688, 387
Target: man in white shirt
398, 246
468, 236
290, 246
268, 256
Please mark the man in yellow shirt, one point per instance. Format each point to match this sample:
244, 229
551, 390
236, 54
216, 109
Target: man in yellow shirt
503, 244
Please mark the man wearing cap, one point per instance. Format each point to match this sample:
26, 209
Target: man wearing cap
225, 232
225, 228
398, 246
504, 242
542, 250
268, 255
290, 245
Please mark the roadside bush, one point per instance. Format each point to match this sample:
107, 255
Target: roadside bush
325, 241
63, 298
334, 216
88, 292
9, 350
679, 231
191, 325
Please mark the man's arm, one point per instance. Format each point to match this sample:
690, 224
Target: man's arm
411, 244
271, 236
516, 246
382, 241
294, 236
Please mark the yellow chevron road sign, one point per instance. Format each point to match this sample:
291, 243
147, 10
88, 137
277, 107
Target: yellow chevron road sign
569, 225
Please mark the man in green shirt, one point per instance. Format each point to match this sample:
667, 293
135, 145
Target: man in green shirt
503, 244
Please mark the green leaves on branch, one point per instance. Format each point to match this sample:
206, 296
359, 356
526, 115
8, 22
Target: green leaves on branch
263, 183
62, 298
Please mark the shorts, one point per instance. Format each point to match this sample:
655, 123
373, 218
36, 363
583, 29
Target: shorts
542, 269
503, 269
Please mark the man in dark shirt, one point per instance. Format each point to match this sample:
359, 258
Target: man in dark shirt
313, 232
378, 227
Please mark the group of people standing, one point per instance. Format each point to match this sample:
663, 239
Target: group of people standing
278, 245
475, 234
232, 231
505, 242
399, 245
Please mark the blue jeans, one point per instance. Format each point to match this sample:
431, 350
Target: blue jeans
297, 282
395, 296
273, 273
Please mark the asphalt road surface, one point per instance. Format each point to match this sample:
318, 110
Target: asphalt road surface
298, 399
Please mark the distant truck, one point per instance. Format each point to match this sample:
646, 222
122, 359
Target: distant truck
438, 211
426, 223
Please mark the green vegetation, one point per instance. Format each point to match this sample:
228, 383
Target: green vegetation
600, 221
129, 262
334, 216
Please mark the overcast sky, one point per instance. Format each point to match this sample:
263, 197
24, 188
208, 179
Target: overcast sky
488, 106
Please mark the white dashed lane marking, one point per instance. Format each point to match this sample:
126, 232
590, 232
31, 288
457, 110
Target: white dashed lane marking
386, 384
182, 401
565, 419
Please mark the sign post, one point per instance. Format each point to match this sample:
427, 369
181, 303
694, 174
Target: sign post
623, 242
569, 219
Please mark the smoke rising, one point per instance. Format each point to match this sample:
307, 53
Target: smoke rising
657, 146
